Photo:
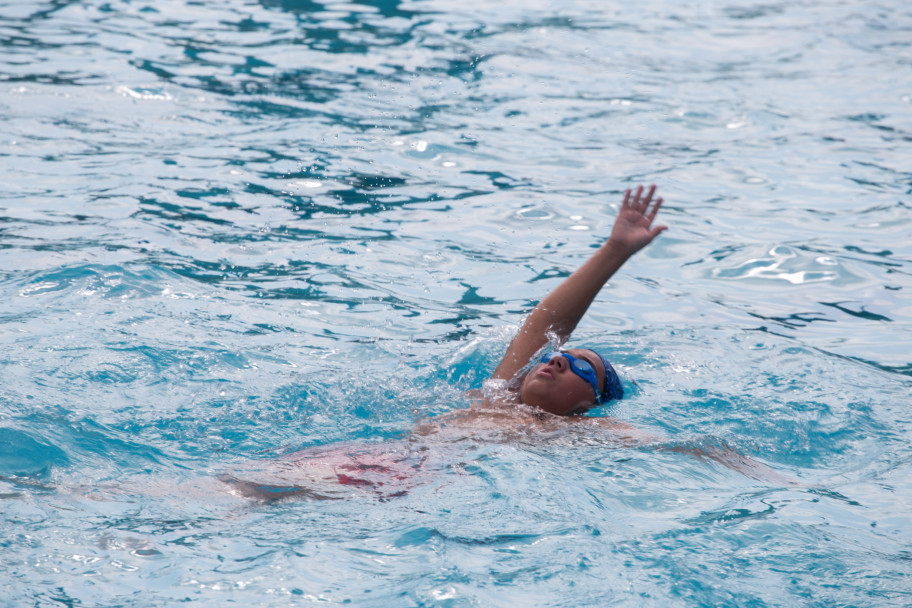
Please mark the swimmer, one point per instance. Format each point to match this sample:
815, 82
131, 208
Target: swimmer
536, 388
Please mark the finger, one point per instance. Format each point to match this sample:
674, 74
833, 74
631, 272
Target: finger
636, 199
626, 202
655, 210
654, 232
648, 198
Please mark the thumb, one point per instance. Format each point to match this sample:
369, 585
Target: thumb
656, 230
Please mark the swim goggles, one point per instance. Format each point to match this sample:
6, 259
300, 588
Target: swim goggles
581, 368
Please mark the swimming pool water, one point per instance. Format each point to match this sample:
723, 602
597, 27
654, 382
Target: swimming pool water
234, 233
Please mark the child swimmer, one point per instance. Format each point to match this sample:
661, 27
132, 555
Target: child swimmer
529, 395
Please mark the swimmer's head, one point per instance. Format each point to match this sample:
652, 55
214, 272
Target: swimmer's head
570, 382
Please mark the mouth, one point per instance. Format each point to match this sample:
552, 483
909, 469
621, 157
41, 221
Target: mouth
545, 372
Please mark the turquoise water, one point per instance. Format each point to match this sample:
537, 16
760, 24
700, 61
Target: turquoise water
232, 232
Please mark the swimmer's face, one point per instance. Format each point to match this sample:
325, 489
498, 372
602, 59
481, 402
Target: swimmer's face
555, 388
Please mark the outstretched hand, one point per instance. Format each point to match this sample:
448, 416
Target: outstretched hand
633, 227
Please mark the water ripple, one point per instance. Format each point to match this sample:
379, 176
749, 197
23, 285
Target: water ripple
232, 231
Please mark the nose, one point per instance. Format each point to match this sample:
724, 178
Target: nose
558, 362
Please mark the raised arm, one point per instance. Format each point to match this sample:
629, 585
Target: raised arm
562, 309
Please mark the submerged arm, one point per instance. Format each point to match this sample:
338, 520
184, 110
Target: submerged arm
562, 309
707, 449
731, 458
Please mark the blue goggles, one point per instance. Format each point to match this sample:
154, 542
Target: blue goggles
581, 368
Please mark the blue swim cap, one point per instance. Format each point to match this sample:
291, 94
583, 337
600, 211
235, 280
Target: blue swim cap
612, 391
